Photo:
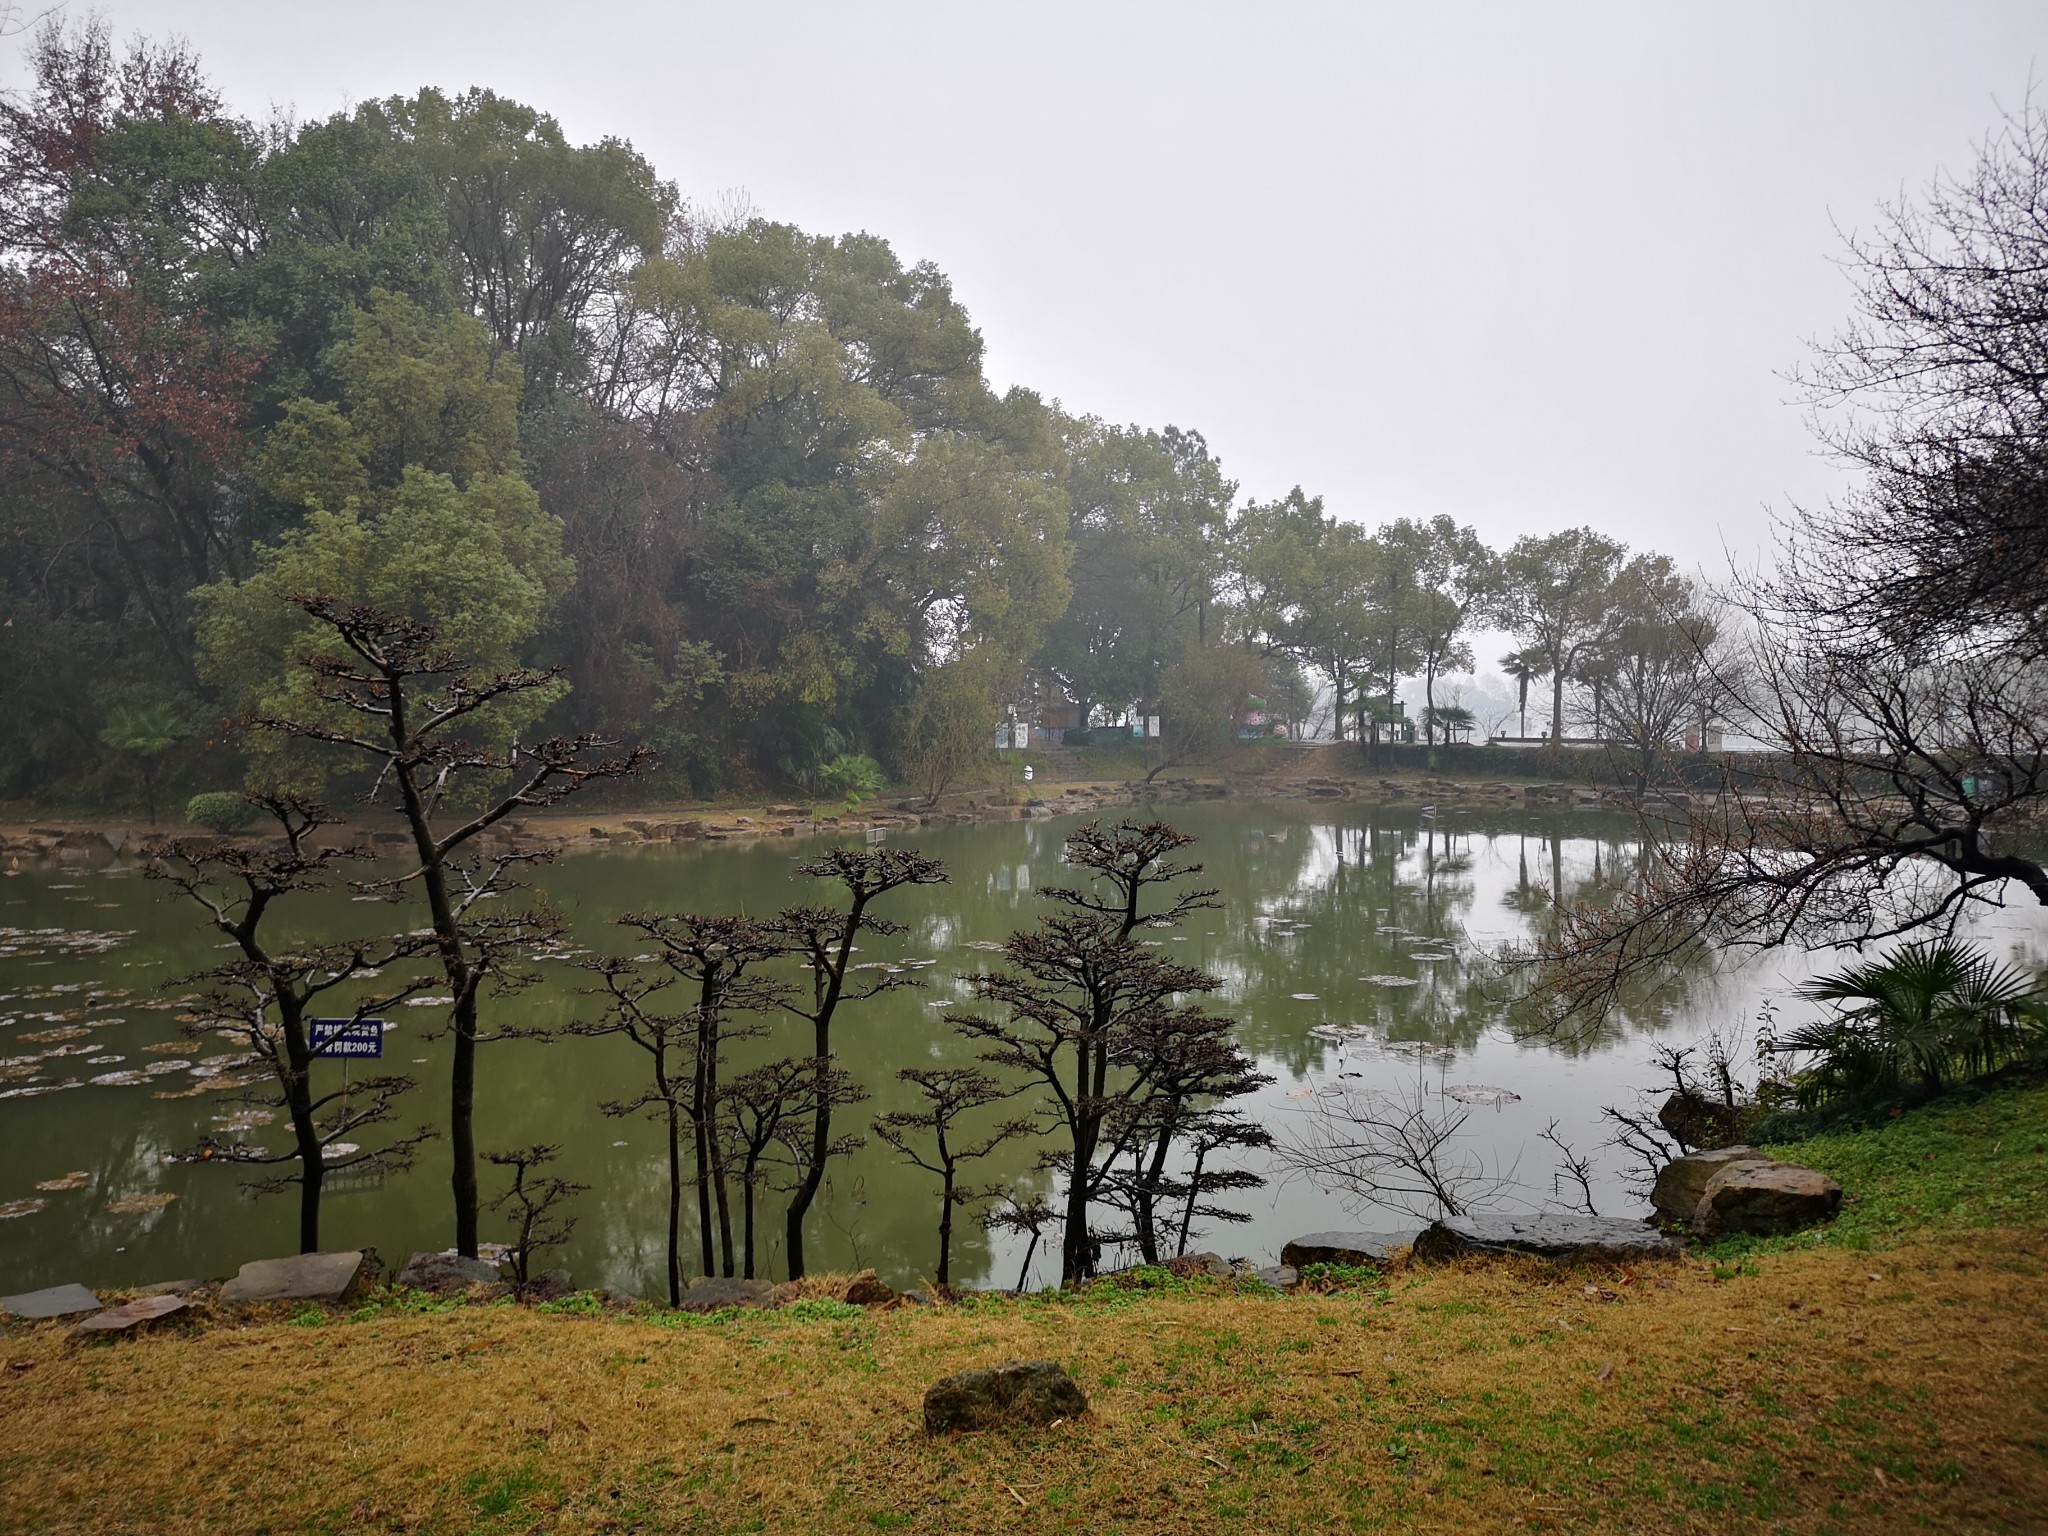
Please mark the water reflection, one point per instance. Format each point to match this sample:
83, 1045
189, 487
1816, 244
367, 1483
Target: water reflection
1376, 919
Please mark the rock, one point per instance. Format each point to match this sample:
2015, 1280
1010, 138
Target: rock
133, 1314
867, 1290
1765, 1198
1698, 1121
55, 1301
614, 1298
1562, 1239
549, 1285
919, 1299
1281, 1277
445, 1272
1351, 1249
1015, 1393
303, 1277
183, 1288
712, 1293
1189, 1265
1681, 1182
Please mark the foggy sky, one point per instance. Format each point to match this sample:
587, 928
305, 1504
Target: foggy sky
1530, 265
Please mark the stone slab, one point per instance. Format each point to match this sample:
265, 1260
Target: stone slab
53, 1301
1561, 1239
1352, 1249
1281, 1277
133, 1314
302, 1277
169, 1288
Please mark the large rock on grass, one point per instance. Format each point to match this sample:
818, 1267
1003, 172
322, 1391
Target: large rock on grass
1765, 1198
302, 1277
442, 1273
1681, 1182
712, 1293
867, 1289
1017, 1393
1353, 1250
1561, 1239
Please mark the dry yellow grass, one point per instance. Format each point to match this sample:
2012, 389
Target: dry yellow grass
1809, 1397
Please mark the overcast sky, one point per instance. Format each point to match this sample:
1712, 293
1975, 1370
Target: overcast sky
1530, 265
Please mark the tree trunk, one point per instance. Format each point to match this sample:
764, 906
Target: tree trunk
945, 1224
675, 1201
1557, 706
298, 1096
462, 1125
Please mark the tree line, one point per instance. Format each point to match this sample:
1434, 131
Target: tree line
747, 485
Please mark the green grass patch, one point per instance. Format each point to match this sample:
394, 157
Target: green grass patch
1973, 1161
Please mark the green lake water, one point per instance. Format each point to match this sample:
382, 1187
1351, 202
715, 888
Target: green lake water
1326, 910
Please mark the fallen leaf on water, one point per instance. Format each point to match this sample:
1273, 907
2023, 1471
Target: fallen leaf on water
138, 1205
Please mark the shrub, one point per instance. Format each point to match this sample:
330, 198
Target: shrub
1915, 1020
853, 777
222, 811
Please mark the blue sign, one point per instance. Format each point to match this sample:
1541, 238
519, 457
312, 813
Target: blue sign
348, 1038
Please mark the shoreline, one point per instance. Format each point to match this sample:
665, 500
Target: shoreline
1316, 779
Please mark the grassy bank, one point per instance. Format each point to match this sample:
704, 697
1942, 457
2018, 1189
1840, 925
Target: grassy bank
1888, 1375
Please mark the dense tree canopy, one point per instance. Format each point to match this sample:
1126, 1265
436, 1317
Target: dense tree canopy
747, 485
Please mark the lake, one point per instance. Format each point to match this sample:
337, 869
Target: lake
1351, 943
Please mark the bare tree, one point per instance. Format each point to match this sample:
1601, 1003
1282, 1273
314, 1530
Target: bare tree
822, 938
394, 694
1901, 649
266, 994
1667, 671
1571, 1181
1398, 1150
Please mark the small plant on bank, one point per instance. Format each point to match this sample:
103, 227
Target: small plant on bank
1915, 1021
853, 777
224, 811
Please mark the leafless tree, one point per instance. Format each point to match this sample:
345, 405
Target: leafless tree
1571, 1181
1396, 1149
391, 692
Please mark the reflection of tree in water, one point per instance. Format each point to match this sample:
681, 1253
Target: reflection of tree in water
1321, 905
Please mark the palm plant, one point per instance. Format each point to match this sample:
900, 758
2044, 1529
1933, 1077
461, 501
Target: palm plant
144, 732
1926, 1013
1524, 667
